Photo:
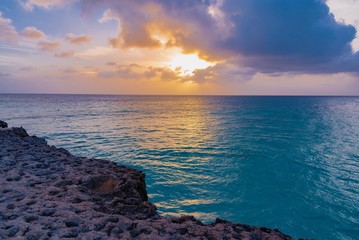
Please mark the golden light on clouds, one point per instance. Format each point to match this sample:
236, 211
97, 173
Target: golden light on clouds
186, 64
157, 47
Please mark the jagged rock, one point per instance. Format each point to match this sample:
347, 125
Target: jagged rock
3, 124
51, 194
19, 131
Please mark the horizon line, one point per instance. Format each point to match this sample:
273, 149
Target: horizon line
186, 95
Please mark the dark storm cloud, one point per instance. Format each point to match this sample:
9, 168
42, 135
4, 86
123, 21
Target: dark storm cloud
303, 28
289, 35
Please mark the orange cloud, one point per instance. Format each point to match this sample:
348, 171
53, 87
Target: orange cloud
139, 26
65, 54
49, 46
78, 40
136, 72
32, 33
144, 24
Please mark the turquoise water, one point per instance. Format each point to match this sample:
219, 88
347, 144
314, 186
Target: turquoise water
283, 162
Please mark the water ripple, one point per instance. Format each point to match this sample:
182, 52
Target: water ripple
283, 162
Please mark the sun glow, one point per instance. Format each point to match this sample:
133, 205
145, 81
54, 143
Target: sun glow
186, 64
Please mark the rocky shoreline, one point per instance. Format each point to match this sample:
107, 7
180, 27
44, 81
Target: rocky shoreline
47, 193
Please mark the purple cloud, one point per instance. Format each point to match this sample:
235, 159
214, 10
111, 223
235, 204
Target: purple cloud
269, 36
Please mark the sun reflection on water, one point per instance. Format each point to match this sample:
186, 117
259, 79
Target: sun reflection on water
283, 162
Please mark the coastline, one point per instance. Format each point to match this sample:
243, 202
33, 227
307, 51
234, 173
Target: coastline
47, 193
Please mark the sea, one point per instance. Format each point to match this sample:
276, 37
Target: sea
290, 163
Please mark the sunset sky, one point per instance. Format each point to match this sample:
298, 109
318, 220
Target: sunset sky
237, 47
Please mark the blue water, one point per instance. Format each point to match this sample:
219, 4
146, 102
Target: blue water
283, 162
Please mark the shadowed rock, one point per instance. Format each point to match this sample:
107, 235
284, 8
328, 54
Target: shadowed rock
3, 124
19, 131
47, 193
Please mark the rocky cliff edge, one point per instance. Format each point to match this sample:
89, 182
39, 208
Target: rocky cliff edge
47, 193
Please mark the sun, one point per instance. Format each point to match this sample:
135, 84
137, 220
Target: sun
186, 64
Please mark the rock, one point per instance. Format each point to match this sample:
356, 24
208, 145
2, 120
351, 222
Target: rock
13, 231
10, 206
19, 131
31, 202
48, 212
70, 234
47, 193
31, 218
98, 183
72, 223
3, 124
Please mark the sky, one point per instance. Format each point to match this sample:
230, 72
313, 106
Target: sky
186, 47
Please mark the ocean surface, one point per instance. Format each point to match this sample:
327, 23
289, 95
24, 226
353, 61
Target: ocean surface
282, 162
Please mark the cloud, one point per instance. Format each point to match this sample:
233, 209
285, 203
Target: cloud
78, 40
107, 16
287, 34
4, 75
130, 71
47, 4
162, 73
7, 30
27, 69
346, 11
136, 72
69, 70
156, 24
48, 46
229, 72
286, 28
271, 36
243, 37
32, 33
95, 52
66, 54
